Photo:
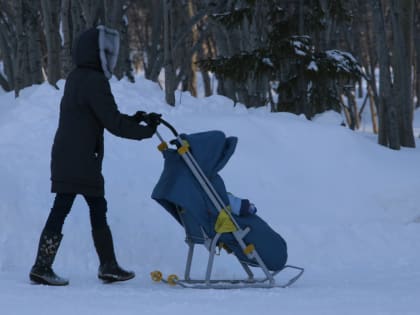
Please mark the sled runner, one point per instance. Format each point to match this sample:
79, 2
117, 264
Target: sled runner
191, 190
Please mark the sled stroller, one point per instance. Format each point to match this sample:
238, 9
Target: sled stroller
191, 190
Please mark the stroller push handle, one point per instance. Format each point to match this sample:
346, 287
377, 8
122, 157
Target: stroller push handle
169, 126
177, 141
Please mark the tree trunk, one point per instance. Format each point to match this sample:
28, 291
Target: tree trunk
66, 25
8, 49
402, 25
93, 11
34, 42
417, 69
370, 52
417, 52
372, 110
116, 18
302, 85
20, 57
387, 111
170, 75
190, 66
154, 53
204, 74
352, 107
225, 86
77, 20
51, 14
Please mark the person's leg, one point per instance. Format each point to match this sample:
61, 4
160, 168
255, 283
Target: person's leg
109, 270
61, 208
49, 242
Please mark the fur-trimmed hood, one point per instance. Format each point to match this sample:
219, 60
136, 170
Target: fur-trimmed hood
97, 48
109, 47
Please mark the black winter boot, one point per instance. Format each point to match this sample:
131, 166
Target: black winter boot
109, 270
41, 271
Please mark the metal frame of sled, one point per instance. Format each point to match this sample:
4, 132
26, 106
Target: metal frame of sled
212, 243
208, 283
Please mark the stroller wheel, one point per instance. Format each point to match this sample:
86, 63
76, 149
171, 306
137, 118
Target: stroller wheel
156, 275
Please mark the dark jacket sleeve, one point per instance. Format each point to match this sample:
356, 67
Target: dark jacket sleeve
106, 111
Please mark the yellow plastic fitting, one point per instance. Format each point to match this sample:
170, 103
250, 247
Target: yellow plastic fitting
156, 275
249, 249
162, 146
184, 148
172, 279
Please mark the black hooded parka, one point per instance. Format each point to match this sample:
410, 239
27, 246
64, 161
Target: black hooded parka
87, 107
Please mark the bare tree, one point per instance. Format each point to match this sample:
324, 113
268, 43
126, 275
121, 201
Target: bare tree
21, 49
20, 44
117, 18
78, 21
36, 37
66, 25
7, 46
417, 52
168, 53
402, 16
148, 34
51, 17
32, 26
395, 108
177, 35
204, 52
387, 110
93, 11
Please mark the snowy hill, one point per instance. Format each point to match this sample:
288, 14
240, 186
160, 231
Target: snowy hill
348, 208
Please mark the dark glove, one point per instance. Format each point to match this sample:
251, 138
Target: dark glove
153, 119
149, 131
139, 116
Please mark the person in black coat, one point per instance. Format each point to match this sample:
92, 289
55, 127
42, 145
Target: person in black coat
87, 107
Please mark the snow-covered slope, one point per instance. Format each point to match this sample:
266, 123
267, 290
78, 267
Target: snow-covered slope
348, 208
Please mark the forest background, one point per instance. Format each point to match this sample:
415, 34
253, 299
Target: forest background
300, 56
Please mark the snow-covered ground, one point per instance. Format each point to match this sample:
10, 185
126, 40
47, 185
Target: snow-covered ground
348, 208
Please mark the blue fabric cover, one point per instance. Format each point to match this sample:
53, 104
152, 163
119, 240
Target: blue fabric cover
178, 188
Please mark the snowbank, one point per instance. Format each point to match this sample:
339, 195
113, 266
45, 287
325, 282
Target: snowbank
348, 208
